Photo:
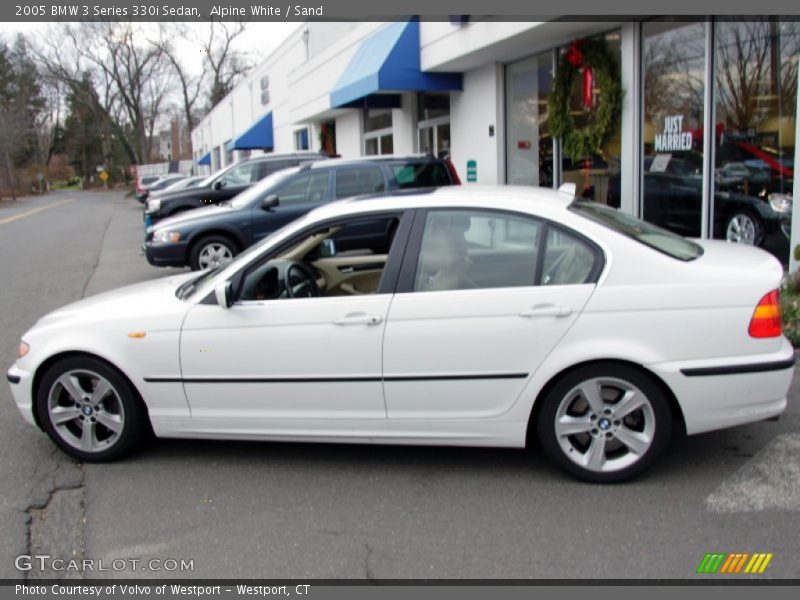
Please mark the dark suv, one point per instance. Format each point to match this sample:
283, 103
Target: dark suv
224, 185
214, 235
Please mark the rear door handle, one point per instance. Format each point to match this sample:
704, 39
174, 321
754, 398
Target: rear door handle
546, 310
358, 319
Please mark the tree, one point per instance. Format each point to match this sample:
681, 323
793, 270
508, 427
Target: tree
190, 85
20, 106
227, 65
128, 73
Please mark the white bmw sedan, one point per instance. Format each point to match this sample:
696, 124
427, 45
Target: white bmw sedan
460, 316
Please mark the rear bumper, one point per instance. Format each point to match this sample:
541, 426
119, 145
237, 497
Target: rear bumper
719, 393
166, 255
21, 383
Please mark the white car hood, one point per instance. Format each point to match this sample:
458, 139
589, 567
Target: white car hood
138, 302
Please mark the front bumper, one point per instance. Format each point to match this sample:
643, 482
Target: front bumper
22, 391
166, 255
725, 392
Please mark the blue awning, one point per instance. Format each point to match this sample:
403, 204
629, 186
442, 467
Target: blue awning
257, 137
388, 61
205, 159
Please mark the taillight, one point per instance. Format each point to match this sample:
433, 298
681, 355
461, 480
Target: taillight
453, 172
766, 320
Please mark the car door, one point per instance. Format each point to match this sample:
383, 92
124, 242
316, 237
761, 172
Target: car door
483, 297
291, 364
296, 196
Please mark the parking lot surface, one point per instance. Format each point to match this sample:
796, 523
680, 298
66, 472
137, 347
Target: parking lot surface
272, 510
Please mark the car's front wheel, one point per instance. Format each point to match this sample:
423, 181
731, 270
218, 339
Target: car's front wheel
212, 251
90, 410
605, 422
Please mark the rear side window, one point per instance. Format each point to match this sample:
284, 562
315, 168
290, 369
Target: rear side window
362, 180
648, 234
270, 166
416, 175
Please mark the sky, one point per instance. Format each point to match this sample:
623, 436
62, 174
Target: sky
259, 39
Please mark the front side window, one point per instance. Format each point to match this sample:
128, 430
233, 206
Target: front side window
469, 249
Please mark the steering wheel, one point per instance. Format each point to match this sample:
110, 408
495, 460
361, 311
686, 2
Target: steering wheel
300, 281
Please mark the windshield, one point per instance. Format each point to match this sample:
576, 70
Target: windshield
650, 235
262, 188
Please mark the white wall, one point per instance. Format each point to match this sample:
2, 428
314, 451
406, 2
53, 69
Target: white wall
472, 111
348, 134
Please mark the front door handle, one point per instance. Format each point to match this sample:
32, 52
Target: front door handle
546, 310
358, 319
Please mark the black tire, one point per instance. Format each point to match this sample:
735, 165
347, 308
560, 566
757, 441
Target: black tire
566, 401
740, 216
53, 395
205, 242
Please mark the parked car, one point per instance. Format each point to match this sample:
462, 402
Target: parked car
224, 184
143, 182
159, 184
213, 235
495, 317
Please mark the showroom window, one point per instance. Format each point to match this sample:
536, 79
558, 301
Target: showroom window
378, 132
755, 74
433, 124
674, 82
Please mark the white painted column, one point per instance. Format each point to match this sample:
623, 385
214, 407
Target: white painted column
630, 157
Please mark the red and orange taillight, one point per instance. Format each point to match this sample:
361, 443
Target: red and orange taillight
766, 319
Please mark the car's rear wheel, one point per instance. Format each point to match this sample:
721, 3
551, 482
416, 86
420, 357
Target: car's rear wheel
744, 228
89, 410
605, 423
212, 251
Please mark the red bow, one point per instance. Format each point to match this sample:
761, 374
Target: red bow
575, 54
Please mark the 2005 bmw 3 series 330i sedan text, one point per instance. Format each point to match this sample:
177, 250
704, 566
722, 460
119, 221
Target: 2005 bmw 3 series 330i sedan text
485, 317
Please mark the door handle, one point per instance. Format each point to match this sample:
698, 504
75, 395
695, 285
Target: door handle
546, 310
358, 319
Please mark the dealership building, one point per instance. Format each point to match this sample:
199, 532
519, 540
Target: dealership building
702, 142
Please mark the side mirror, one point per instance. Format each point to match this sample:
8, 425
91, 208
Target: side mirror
219, 184
327, 248
269, 202
224, 294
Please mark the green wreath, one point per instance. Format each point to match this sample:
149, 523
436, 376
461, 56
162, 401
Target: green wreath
592, 54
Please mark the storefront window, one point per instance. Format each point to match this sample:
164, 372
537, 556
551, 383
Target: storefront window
529, 143
433, 124
756, 103
596, 177
673, 67
378, 132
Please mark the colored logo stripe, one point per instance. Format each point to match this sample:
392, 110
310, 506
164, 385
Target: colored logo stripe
733, 563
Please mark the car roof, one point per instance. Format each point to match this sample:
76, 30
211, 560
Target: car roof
333, 163
267, 157
549, 203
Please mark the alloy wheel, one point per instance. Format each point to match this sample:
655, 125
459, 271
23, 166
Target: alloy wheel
214, 254
86, 411
741, 229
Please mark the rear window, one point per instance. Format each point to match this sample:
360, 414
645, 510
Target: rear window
416, 175
650, 235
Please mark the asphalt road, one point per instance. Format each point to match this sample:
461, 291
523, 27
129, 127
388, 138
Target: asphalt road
327, 511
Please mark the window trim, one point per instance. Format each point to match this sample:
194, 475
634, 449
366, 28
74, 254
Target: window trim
408, 269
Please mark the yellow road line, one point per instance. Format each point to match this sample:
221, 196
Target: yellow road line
34, 211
